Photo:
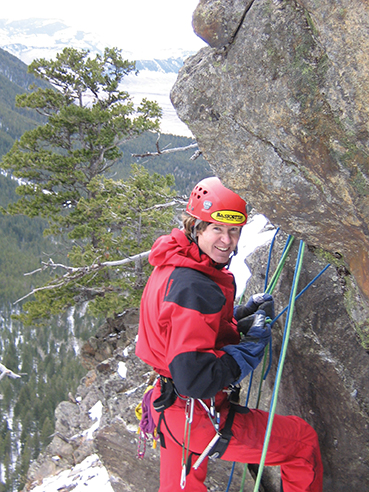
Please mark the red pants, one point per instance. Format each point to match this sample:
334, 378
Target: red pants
293, 446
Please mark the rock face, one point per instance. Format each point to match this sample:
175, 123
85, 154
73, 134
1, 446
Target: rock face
325, 377
279, 106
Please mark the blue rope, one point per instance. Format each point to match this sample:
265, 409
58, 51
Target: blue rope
286, 245
270, 344
269, 259
273, 321
246, 403
285, 309
303, 290
230, 477
265, 288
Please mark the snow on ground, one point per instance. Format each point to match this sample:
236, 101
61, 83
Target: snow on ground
122, 370
95, 414
90, 475
252, 237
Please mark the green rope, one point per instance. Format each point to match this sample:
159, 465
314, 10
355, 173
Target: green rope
243, 478
266, 351
281, 363
278, 271
269, 290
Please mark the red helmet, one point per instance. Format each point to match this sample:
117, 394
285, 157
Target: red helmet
210, 201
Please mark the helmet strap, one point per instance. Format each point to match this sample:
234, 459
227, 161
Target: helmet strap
194, 227
235, 251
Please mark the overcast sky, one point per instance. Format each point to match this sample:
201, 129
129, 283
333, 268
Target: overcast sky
144, 27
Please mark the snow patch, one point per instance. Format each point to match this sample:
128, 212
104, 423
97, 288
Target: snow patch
133, 390
88, 475
252, 237
95, 413
122, 370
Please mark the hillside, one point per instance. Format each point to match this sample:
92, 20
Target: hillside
14, 80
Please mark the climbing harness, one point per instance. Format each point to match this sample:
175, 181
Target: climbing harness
166, 399
168, 396
219, 443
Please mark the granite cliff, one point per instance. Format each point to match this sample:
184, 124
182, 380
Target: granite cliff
279, 106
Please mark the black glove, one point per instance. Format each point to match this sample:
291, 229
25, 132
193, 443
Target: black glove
256, 302
253, 304
249, 352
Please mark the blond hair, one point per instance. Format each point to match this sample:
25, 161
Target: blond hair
189, 224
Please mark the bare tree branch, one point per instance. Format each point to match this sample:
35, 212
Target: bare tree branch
175, 201
195, 155
46, 287
73, 273
7, 372
169, 151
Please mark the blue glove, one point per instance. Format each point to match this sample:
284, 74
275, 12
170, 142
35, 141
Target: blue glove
254, 303
250, 351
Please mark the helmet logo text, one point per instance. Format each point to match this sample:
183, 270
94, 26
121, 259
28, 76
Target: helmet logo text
228, 216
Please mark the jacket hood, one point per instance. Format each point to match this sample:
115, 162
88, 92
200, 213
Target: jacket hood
176, 250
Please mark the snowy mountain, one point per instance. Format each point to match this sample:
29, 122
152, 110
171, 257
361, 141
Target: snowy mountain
44, 38
40, 38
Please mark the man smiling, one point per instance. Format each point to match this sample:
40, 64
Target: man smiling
188, 334
219, 241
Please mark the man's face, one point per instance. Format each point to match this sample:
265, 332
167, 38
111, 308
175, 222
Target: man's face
218, 241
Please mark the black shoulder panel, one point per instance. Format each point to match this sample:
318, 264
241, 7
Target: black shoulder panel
192, 289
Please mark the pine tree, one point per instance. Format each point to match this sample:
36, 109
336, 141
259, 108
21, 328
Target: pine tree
7, 459
46, 432
26, 455
63, 164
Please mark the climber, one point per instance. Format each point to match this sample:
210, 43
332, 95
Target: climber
189, 335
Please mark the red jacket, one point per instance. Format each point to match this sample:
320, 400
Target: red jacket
186, 318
